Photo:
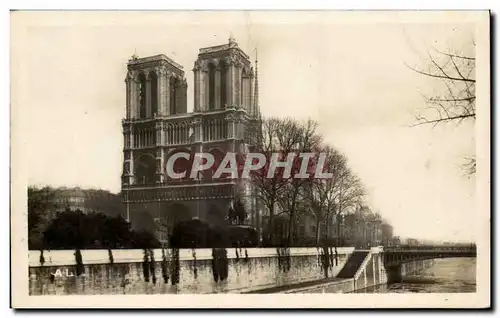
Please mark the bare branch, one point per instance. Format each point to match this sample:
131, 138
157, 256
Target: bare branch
457, 102
470, 166
439, 76
457, 56
443, 119
465, 99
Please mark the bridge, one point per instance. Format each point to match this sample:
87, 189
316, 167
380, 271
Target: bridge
398, 259
394, 256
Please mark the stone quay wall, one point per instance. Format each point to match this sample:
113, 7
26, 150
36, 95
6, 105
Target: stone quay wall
184, 271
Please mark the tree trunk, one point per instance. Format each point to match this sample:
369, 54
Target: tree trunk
327, 228
317, 231
270, 225
338, 239
291, 223
290, 230
338, 229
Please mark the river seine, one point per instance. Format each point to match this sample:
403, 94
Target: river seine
450, 275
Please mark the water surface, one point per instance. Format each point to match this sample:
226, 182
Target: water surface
449, 275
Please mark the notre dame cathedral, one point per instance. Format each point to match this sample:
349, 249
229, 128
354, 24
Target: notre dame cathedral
226, 118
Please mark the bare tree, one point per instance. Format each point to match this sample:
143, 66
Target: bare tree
349, 194
278, 136
320, 193
322, 197
309, 141
332, 197
457, 101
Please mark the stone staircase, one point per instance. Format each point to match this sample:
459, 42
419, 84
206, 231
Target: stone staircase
352, 265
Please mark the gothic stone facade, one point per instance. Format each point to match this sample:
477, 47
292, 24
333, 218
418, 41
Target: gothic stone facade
157, 125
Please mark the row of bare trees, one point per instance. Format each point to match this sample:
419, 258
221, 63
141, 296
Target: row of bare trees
289, 198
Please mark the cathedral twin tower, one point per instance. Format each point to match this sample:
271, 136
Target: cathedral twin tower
223, 76
223, 79
225, 118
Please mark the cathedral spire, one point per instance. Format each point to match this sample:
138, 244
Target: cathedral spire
256, 106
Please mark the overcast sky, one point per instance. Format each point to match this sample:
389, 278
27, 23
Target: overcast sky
348, 74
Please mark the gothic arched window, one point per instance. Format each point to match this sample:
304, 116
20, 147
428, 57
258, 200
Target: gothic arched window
142, 96
154, 93
211, 86
223, 84
244, 88
173, 92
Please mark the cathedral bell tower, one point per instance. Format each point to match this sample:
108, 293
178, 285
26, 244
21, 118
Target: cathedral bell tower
155, 89
226, 110
223, 78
